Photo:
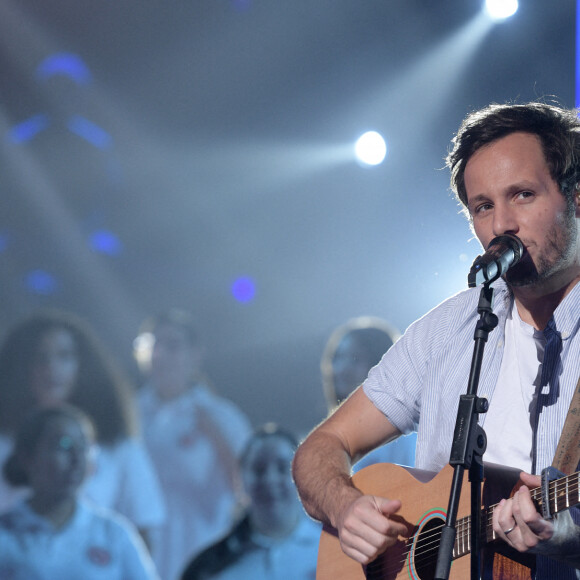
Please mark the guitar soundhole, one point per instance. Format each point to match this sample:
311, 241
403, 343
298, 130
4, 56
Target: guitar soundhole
426, 547
415, 559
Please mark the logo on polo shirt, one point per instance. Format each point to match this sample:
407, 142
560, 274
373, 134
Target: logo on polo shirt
99, 556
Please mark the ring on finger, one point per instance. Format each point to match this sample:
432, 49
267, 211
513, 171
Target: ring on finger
510, 530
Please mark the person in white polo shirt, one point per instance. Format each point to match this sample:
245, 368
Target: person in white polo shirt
55, 533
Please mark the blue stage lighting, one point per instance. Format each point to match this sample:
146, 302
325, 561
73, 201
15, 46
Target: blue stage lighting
28, 129
89, 131
244, 289
40, 282
105, 242
64, 63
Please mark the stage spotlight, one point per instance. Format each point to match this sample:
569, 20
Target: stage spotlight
370, 148
500, 9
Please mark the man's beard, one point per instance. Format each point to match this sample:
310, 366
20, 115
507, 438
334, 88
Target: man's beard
560, 247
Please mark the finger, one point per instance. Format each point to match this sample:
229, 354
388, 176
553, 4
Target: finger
533, 527
503, 520
523, 508
396, 527
531, 481
367, 529
376, 513
375, 526
367, 511
387, 507
358, 549
364, 543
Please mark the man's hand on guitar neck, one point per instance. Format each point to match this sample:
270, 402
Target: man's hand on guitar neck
528, 531
517, 521
365, 528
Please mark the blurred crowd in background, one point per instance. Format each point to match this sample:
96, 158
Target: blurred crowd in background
164, 479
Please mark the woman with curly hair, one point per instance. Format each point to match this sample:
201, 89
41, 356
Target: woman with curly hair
53, 357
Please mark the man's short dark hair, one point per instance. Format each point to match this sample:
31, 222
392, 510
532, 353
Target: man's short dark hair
557, 128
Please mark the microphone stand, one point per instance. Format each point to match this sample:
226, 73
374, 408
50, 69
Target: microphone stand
469, 443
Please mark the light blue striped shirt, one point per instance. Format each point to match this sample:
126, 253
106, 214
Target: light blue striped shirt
418, 382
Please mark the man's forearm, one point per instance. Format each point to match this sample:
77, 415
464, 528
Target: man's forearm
321, 470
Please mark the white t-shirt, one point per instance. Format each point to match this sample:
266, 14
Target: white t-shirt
508, 420
95, 544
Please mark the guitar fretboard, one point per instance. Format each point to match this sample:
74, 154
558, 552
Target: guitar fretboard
563, 494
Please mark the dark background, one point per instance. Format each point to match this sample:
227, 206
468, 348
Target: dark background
228, 132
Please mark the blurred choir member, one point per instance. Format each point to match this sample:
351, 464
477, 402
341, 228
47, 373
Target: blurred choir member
194, 437
351, 351
55, 534
53, 357
273, 539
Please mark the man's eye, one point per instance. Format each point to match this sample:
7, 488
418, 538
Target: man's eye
482, 208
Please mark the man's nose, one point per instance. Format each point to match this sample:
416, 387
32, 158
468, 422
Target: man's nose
504, 220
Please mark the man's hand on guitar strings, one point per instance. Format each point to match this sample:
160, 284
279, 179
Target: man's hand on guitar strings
517, 521
366, 530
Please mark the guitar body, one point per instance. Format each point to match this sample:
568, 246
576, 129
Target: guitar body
424, 505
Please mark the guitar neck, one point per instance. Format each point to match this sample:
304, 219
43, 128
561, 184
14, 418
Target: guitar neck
562, 494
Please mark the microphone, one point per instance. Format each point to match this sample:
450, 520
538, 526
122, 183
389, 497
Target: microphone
501, 254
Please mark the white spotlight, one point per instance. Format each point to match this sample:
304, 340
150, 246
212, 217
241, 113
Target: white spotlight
500, 9
370, 148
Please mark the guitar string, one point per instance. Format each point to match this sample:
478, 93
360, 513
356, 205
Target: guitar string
426, 550
465, 523
427, 544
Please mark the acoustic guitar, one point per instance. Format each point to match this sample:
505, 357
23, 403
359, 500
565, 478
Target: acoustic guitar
425, 498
